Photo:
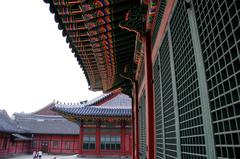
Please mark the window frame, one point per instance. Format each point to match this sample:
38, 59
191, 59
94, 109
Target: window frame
110, 143
89, 142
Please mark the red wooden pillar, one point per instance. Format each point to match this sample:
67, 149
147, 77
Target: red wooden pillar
133, 127
98, 138
8, 144
37, 143
136, 139
50, 144
8, 150
73, 149
80, 138
150, 134
15, 147
61, 144
123, 137
22, 148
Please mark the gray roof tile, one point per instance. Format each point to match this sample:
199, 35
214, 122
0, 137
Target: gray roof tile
9, 125
45, 124
118, 106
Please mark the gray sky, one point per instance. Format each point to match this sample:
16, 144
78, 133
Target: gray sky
36, 64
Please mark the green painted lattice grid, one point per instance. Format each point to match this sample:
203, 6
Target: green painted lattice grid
167, 95
158, 112
189, 105
159, 20
142, 126
219, 30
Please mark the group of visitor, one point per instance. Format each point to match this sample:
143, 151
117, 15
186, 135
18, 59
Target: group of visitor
37, 155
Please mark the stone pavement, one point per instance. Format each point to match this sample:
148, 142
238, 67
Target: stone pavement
44, 157
52, 157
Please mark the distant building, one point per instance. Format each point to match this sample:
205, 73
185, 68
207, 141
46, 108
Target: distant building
34, 132
13, 139
105, 125
102, 128
50, 133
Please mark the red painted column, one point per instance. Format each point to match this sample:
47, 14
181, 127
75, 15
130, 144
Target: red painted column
61, 144
150, 134
22, 148
73, 149
136, 139
123, 138
8, 150
98, 138
15, 147
80, 139
133, 127
50, 144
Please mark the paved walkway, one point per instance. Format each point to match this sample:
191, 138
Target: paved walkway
52, 157
45, 157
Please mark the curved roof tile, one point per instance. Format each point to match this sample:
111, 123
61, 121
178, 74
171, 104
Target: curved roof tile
118, 106
9, 125
46, 124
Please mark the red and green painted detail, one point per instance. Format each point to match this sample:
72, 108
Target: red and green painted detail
110, 107
101, 47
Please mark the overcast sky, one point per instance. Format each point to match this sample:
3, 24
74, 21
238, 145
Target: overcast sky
36, 64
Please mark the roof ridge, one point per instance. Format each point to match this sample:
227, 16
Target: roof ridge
43, 107
82, 103
8, 124
109, 107
70, 103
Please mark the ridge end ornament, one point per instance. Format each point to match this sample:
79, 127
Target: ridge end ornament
135, 20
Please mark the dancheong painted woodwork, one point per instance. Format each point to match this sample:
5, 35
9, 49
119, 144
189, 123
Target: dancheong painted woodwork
181, 56
105, 124
101, 46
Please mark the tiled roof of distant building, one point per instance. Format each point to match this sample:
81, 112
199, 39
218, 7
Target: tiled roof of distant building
111, 105
9, 125
46, 124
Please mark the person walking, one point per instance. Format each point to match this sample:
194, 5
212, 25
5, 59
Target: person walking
40, 154
34, 154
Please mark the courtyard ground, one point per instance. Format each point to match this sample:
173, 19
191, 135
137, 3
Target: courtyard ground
52, 157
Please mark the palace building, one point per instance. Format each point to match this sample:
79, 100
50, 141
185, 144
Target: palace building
13, 139
33, 132
99, 127
50, 133
105, 125
179, 60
